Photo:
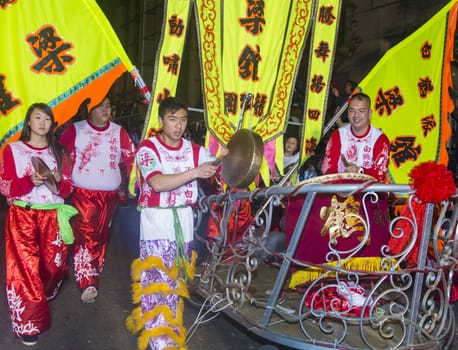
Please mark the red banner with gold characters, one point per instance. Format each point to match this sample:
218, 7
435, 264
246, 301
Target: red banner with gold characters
250, 48
409, 88
56, 52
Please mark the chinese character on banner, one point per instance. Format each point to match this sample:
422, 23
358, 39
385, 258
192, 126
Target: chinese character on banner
403, 149
7, 101
254, 21
50, 50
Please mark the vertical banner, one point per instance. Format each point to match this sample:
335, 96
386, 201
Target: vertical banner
219, 128
263, 44
167, 67
322, 53
169, 58
409, 88
48, 58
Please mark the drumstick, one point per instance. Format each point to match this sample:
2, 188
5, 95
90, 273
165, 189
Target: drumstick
344, 160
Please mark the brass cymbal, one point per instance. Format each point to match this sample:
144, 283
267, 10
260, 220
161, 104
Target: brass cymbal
41, 168
243, 161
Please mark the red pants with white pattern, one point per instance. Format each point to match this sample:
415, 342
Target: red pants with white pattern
35, 267
91, 228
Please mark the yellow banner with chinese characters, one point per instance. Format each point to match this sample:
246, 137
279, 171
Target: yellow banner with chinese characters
321, 60
409, 88
169, 59
49, 58
263, 44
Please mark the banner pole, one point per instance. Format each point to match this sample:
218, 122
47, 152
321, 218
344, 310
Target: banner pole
140, 83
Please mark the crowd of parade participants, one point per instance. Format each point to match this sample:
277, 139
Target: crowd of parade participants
62, 195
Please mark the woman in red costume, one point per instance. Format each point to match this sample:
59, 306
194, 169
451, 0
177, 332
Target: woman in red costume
37, 225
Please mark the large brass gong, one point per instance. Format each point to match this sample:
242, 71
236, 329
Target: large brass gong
243, 161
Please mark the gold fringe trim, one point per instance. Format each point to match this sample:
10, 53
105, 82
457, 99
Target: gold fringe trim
155, 262
191, 268
136, 321
139, 265
180, 340
369, 264
158, 288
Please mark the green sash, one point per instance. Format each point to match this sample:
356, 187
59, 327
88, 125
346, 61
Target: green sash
64, 213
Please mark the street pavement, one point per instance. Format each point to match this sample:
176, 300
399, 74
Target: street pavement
100, 326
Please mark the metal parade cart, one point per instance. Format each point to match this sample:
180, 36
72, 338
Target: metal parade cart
400, 299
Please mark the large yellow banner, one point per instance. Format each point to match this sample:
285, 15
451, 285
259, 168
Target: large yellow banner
57, 52
409, 88
250, 48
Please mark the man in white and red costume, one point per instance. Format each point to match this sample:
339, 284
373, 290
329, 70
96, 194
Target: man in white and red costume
358, 147
98, 146
354, 149
169, 167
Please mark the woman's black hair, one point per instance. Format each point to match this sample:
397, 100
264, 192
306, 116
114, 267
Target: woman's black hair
352, 83
56, 148
316, 157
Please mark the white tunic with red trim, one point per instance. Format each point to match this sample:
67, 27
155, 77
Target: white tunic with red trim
17, 168
370, 152
97, 153
154, 157
157, 219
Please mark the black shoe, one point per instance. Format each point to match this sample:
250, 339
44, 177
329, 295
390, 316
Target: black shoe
30, 340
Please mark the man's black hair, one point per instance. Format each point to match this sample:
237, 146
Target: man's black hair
171, 104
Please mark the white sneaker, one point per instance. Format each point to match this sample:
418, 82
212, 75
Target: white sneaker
89, 294
29, 340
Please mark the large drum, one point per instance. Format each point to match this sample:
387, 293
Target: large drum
322, 231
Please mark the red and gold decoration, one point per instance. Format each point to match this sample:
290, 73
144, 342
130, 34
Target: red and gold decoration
335, 230
432, 183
